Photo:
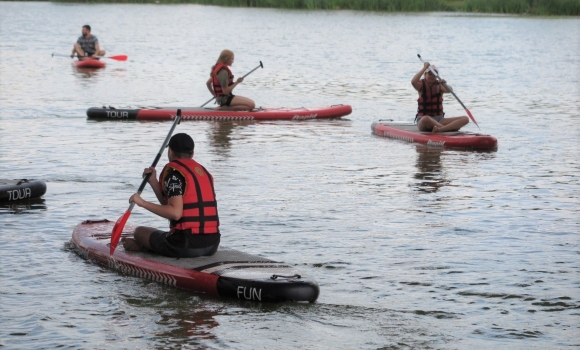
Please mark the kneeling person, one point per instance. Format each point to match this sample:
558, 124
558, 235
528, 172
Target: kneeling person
186, 195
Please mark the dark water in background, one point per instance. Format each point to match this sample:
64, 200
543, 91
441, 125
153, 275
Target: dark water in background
412, 247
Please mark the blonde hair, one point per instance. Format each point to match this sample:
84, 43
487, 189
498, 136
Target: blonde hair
224, 56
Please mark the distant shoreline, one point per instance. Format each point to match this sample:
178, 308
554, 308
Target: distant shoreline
521, 7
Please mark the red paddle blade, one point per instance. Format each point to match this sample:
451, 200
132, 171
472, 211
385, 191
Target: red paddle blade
471, 117
119, 57
117, 230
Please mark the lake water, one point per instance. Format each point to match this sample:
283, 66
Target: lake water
413, 247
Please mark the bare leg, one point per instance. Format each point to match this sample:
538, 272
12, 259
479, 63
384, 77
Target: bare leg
141, 240
451, 124
239, 103
78, 51
426, 123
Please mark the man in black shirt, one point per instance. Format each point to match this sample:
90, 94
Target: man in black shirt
187, 198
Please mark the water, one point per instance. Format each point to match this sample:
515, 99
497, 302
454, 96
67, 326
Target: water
412, 247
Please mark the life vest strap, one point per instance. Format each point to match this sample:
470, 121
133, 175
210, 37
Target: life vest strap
199, 205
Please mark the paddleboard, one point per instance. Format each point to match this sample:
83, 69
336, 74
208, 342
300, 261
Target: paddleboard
15, 190
197, 113
405, 131
89, 64
227, 273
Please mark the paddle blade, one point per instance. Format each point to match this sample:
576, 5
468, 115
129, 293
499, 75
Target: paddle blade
117, 230
119, 57
471, 117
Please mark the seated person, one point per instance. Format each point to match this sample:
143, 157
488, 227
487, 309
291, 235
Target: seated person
221, 84
187, 198
430, 115
87, 45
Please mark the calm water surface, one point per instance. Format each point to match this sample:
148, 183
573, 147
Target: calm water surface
412, 247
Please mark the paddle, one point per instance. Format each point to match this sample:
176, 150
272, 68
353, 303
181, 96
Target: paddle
250, 72
120, 224
451, 91
118, 57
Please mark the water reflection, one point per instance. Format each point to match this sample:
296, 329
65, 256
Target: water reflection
30, 206
86, 72
219, 135
430, 175
188, 327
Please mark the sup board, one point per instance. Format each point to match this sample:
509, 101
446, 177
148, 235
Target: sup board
89, 64
15, 190
197, 113
227, 273
409, 132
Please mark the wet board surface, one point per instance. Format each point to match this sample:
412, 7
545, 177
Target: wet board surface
89, 64
197, 113
408, 132
227, 273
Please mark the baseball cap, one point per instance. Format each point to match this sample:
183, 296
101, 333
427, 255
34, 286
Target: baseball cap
181, 143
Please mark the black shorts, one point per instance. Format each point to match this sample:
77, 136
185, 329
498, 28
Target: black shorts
228, 101
183, 245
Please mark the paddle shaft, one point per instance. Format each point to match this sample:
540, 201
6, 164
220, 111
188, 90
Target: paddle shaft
450, 90
158, 156
250, 72
120, 224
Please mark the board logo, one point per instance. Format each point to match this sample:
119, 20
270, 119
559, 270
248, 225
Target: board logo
249, 293
436, 143
19, 194
117, 114
305, 117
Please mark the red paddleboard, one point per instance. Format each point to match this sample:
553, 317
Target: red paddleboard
197, 113
89, 64
405, 131
227, 273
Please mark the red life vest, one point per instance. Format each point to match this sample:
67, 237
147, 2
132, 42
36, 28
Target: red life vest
199, 204
216, 83
430, 100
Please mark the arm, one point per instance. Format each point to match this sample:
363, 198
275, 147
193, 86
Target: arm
416, 81
97, 49
223, 79
173, 210
228, 89
209, 85
154, 183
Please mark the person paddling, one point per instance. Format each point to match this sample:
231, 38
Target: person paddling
430, 115
87, 45
186, 194
221, 84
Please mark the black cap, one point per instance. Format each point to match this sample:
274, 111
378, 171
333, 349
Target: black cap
181, 143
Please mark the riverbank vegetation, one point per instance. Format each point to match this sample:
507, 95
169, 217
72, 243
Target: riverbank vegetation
531, 7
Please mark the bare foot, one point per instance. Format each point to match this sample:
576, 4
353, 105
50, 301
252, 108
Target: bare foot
435, 129
132, 245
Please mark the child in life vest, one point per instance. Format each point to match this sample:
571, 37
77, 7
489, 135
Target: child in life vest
221, 84
430, 115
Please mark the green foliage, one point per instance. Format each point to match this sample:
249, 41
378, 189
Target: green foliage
533, 7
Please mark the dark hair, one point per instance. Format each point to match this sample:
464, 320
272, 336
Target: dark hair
182, 155
87, 26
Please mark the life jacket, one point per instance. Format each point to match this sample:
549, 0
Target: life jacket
200, 214
430, 100
217, 88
